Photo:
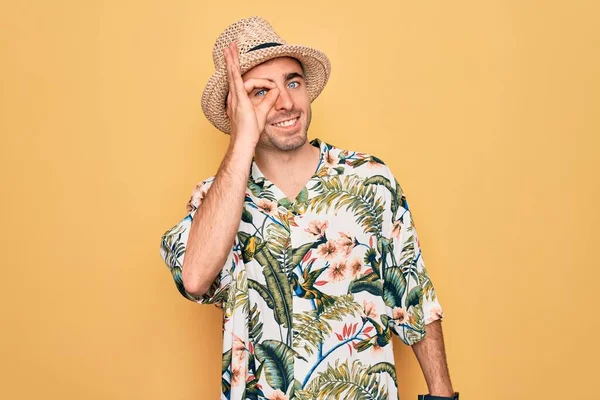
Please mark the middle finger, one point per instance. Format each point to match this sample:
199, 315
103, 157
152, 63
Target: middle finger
237, 76
236, 55
228, 68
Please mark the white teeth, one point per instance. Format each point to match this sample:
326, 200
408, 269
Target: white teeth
285, 124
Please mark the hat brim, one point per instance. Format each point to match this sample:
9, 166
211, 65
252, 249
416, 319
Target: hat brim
317, 69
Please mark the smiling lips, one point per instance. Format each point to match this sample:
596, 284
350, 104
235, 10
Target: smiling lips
287, 123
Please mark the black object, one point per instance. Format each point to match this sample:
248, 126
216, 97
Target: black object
264, 46
430, 397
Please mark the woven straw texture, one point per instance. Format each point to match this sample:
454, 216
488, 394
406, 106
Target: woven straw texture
249, 33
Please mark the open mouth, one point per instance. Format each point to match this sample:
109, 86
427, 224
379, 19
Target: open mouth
286, 124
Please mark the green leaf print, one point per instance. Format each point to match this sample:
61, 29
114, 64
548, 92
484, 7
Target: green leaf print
302, 196
259, 190
246, 215
238, 292
394, 287
285, 202
176, 272
279, 289
263, 292
418, 327
278, 359
348, 382
294, 388
255, 326
342, 307
173, 246
309, 331
352, 193
380, 180
398, 199
279, 244
304, 395
357, 163
310, 327
369, 283
340, 170
414, 297
255, 189
408, 252
226, 361
426, 285
299, 253
385, 182
383, 367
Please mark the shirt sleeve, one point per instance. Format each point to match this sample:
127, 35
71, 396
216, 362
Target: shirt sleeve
172, 250
409, 295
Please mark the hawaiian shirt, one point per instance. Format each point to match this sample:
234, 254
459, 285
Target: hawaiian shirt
314, 287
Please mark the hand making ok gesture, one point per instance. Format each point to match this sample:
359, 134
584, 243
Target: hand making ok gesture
247, 119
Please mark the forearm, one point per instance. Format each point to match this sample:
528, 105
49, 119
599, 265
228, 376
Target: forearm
431, 354
216, 222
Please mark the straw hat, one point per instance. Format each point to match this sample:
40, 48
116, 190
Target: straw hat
257, 42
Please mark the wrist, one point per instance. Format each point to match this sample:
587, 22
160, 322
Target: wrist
244, 138
242, 146
441, 393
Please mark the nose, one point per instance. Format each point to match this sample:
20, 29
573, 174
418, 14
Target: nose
284, 101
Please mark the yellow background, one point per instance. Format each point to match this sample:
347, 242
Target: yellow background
486, 111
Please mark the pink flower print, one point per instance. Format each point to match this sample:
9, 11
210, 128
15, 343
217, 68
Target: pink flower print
369, 309
337, 271
356, 266
396, 228
317, 228
238, 349
238, 374
278, 395
197, 197
267, 206
372, 163
435, 313
345, 243
327, 250
330, 160
400, 315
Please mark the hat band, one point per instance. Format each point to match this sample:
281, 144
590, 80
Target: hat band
264, 46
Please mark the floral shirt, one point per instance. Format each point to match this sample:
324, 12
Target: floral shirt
313, 288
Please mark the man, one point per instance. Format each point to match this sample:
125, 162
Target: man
309, 249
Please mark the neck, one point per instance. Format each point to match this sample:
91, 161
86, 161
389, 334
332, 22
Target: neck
278, 165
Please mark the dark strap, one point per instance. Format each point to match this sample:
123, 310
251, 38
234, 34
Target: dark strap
264, 46
430, 397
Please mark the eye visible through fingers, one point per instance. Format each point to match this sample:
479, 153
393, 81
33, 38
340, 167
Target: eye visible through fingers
261, 92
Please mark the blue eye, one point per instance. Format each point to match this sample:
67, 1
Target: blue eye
261, 93
293, 85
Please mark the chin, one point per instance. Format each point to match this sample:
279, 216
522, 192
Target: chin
288, 141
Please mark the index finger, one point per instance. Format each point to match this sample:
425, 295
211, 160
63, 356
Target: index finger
228, 68
258, 83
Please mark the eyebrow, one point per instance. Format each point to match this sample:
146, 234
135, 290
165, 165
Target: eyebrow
292, 75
